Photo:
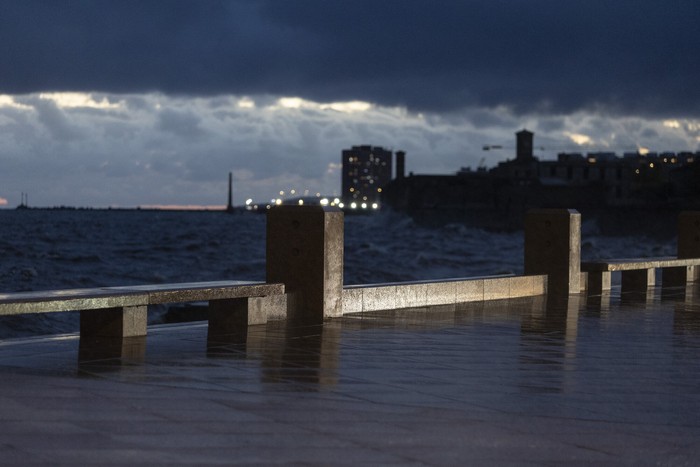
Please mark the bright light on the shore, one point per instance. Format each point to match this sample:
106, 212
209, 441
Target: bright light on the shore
301, 201
324, 202
336, 201
364, 205
353, 205
278, 201
341, 205
249, 201
375, 206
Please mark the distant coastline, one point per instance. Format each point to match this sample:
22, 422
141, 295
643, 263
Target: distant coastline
221, 209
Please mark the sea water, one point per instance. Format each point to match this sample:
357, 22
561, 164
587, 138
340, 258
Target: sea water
56, 249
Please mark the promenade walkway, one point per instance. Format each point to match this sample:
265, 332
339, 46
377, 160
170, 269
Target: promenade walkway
587, 381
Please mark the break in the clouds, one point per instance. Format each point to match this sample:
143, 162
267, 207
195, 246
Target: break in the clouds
627, 57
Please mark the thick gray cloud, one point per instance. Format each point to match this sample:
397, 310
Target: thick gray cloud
130, 150
625, 57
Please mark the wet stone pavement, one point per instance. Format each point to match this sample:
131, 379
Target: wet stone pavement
605, 380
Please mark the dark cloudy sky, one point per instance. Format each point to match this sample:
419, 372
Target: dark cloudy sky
153, 102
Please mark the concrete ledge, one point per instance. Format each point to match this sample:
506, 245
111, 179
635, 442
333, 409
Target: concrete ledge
376, 297
633, 264
197, 291
47, 301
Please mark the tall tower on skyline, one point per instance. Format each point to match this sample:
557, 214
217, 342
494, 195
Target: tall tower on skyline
523, 148
229, 206
400, 164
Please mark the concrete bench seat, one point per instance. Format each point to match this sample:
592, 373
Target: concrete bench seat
122, 311
639, 273
198, 291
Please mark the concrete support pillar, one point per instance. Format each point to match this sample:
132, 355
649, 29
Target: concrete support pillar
229, 319
116, 323
689, 239
638, 280
553, 247
678, 276
599, 282
305, 253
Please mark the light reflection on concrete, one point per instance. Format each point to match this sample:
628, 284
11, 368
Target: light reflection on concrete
605, 381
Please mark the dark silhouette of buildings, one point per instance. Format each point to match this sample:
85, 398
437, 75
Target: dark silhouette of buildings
597, 184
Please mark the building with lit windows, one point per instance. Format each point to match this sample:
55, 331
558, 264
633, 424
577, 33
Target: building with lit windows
366, 171
600, 185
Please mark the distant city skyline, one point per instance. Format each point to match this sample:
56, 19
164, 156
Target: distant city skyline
113, 103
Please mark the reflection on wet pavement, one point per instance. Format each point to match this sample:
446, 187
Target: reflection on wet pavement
604, 379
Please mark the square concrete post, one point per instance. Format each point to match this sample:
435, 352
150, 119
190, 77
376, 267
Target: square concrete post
305, 253
689, 239
229, 318
638, 280
553, 247
677, 276
599, 282
129, 321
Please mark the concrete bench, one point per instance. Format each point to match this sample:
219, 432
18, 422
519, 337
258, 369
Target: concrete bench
118, 312
637, 274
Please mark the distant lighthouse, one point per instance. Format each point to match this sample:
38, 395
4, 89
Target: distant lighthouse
229, 206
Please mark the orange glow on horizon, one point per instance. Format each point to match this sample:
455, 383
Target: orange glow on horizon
184, 207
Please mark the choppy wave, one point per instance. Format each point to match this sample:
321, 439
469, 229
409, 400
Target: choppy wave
64, 249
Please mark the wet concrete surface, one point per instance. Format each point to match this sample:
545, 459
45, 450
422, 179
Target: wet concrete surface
585, 381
